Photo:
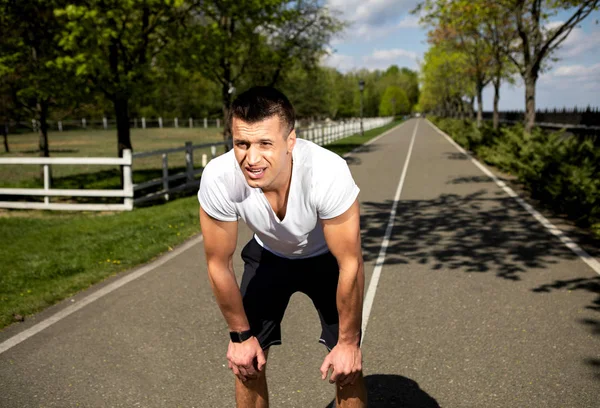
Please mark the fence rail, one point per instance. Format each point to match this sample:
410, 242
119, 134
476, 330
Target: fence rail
161, 187
126, 192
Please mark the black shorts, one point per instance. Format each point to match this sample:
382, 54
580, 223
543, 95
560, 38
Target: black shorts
269, 281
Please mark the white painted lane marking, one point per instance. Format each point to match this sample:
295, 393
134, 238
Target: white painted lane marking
368, 303
569, 243
24, 335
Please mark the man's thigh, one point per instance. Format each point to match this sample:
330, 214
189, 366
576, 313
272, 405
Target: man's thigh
266, 291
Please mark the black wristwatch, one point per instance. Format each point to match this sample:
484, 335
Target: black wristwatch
238, 337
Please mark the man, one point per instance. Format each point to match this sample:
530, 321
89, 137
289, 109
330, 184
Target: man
301, 202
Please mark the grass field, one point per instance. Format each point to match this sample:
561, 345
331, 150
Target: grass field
98, 143
49, 256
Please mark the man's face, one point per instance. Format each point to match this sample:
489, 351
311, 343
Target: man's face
262, 151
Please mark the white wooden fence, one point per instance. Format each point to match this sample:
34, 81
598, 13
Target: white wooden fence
161, 187
47, 191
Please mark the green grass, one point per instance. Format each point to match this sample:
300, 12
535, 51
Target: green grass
49, 256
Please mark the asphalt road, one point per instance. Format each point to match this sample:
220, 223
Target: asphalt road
477, 305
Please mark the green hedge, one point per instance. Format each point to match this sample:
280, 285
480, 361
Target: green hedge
560, 170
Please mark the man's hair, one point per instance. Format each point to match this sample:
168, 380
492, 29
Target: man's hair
262, 102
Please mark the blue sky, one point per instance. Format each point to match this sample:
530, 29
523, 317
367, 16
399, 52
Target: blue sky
382, 33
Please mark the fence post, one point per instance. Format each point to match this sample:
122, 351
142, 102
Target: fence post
205, 123
143, 123
189, 161
128, 179
60, 126
46, 182
176, 123
135, 122
218, 123
83, 122
213, 151
160, 122
165, 175
204, 160
33, 125
191, 123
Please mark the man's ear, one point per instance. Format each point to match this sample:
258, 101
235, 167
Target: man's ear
291, 141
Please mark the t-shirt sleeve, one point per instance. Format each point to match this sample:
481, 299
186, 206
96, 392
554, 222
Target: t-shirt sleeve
213, 196
335, 189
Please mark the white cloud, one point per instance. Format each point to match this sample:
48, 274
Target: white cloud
393, 54
579, 72
342, 63
579, 43
573, 80
371, 19
378, 59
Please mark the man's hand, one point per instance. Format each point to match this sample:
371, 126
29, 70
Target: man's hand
346, 361
246, 359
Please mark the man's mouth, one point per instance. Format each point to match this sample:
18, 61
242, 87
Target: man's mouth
255, 173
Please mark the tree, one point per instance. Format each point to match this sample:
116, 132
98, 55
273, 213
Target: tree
538, 40
500, 35
444, 85
112, 44
25, 65
460, 24
239, 43
393, 102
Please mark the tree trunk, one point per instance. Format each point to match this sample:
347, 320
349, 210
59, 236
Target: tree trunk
42, 110
226, 105
121, 103
472, 108
530, 81
479, 104
5, 135
496, 101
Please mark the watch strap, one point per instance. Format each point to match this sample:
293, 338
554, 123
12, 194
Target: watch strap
238, 337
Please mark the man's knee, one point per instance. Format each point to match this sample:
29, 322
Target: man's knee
257, 380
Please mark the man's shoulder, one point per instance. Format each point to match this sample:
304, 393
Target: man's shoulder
318, 156
220, 168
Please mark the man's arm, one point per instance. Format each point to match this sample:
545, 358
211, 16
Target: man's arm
220, 240
342, 234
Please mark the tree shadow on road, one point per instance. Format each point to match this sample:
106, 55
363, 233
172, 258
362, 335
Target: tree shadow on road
473, 233
386, 390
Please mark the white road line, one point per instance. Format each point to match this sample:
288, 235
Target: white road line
24, 335
368, 303
569, 243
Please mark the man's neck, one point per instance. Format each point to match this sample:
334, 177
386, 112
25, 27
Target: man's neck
283, 186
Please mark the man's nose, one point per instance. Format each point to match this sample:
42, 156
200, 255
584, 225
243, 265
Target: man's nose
253, 155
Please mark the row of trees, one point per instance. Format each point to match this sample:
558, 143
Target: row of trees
477, 42
60, 58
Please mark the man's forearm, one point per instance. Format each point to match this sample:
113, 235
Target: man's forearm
228, 296
350, 301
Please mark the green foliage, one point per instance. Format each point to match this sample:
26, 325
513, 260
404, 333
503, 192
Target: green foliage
562, 171
394, 102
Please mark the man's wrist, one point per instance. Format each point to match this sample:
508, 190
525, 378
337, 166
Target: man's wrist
240, 336
349, 339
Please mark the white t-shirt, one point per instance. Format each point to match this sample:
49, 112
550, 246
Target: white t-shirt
321, 188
